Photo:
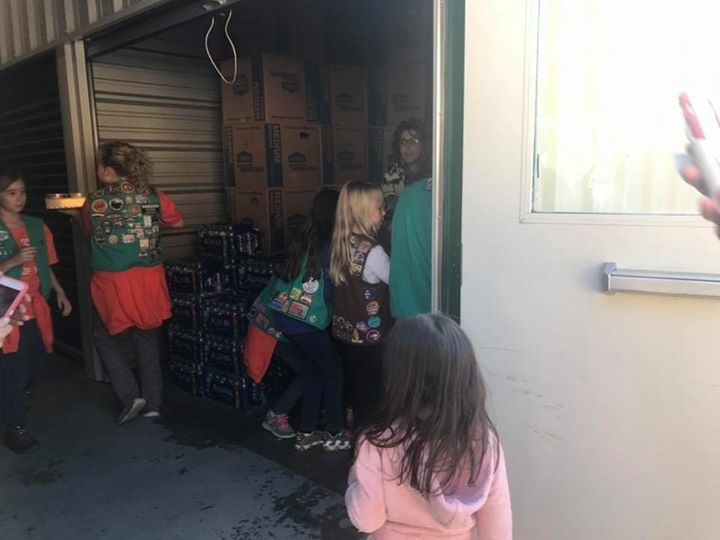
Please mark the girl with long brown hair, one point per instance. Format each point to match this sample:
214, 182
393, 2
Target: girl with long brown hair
128, 287
429, 463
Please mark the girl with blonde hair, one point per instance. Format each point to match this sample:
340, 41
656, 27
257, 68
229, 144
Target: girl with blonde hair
360, 270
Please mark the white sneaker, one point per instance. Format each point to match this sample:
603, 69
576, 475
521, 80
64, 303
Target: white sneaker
151, 414
132, 410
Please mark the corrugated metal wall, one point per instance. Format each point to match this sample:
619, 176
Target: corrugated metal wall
31, 139
32, 25
170, 106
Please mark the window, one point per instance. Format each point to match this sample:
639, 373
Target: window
607, 119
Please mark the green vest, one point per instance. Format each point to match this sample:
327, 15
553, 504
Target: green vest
301, 300
36, 233
124, 228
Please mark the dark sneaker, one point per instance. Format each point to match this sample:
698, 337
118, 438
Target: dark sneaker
19, 440
278, 425
305, 441
131, 411
334, 443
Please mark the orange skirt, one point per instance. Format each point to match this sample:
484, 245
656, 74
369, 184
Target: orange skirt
136, 297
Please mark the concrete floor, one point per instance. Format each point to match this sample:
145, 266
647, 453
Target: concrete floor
202, 471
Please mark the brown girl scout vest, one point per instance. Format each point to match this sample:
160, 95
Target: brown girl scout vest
361, 311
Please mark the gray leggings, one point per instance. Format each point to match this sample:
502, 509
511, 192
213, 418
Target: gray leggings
115, 354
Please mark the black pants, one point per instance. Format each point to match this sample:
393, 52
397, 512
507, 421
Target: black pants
323, 384
18, 369
146, 346
364, 366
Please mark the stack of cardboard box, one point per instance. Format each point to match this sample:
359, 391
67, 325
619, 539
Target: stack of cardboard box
292, 125
271, 148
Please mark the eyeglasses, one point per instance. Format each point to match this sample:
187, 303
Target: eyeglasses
412, 141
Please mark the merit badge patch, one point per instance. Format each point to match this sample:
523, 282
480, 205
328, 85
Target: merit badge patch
296, 309
374, 322
127, 187
373, 307
311, 286
113, 239
99, 206
116, 204
373, 336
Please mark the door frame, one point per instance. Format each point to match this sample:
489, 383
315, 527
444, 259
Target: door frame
448, 105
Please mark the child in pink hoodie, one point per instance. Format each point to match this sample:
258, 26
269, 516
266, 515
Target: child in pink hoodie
429, 464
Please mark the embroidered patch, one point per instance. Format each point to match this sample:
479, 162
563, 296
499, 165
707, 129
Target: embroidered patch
362, 327
373, 336
128, 238
99, 206
296, 309
369, 294
4, 235
373, 307
311, 286
133, 209
113, 239
295, 293
374, 322
116, 204
127, 187
144, 243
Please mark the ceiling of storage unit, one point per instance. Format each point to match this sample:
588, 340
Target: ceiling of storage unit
350, 31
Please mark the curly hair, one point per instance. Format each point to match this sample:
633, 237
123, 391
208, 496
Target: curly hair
417, 128
128, 162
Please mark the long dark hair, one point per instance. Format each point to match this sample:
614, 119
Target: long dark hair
8, 176
433, 405
313, 239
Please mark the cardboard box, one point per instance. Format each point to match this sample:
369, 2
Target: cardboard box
344, 151
405, 96
338, 94
267, 88
379, 153
279, 213
258, 156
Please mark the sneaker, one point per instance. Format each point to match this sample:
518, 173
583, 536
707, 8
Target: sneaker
305, 441
151, 414
19, 440
334, 443
131, 411
278, 425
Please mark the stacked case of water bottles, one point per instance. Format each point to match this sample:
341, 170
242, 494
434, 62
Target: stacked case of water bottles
211, 297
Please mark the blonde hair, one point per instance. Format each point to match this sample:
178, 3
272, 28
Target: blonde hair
128, 162
352, 217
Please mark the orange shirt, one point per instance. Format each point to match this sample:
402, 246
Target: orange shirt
38, 307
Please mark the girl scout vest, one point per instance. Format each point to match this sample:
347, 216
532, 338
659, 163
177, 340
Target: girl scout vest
124, 228
302, 300
36, 234
361, 311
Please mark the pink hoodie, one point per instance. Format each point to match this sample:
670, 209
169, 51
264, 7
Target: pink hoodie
378, 504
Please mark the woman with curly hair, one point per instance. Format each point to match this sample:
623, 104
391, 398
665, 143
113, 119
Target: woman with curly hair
128, 287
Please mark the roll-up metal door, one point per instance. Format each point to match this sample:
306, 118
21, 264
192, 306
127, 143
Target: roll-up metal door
170, 106
31, 139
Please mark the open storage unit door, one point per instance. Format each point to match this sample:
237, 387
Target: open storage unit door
31, 140
316, 89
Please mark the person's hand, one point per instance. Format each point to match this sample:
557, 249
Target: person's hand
692, 174
63, 304
14, 318
26, 254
